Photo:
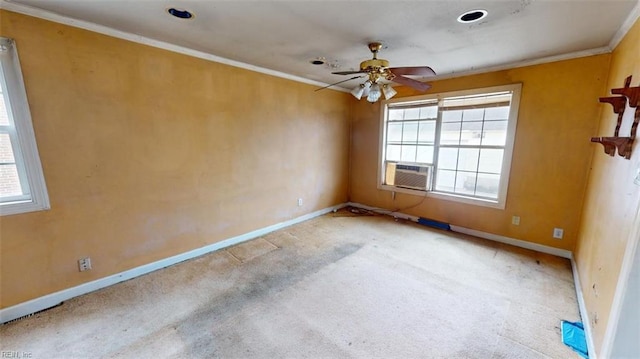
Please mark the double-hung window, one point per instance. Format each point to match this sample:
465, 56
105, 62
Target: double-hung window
22, 186
454, 146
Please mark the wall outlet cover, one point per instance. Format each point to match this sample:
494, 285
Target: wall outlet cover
558, 233
84, 264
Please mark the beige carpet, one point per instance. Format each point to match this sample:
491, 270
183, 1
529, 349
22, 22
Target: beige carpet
338, 286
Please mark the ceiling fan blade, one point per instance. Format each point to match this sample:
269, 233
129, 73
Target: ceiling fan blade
349, 72
420, 86
413, 71
339, 82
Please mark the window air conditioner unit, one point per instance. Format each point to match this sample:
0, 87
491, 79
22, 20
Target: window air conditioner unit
409, 176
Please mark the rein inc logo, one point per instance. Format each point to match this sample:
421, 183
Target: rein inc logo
15, 354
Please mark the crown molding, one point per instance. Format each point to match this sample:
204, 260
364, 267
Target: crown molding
50, 16
626, 26
524, 63
85, 25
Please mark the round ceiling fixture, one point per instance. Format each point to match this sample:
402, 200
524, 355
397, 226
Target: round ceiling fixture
318, 61
180, 13
472, 16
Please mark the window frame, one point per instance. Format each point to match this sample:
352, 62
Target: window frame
505, 174
21, 129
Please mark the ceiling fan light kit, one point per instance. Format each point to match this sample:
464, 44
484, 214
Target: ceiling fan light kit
378, 69
361, 90
388, 91
373, 91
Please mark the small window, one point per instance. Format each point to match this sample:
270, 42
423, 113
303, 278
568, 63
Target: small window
22, 186
455, 146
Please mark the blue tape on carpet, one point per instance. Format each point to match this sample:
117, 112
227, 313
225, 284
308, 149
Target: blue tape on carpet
573, 336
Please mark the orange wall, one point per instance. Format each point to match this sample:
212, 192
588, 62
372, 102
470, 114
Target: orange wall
558, 113
149, 153
612, 199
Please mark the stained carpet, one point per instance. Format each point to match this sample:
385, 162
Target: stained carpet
338, 286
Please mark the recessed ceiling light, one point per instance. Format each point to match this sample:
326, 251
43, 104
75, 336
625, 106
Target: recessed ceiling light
318, 61
180, 13
472, 16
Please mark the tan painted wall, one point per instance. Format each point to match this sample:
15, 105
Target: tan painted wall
558, 113
149, 153
612, 200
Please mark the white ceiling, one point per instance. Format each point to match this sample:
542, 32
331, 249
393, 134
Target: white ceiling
285, 36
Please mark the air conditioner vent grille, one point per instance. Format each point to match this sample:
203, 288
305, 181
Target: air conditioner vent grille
411, 179
408, 175
411, 168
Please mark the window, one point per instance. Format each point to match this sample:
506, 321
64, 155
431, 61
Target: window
22, 186
455, 146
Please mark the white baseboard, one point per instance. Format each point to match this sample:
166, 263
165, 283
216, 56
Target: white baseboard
384, 211
53, 299
494, 237
584, 314
514, 242
518, 243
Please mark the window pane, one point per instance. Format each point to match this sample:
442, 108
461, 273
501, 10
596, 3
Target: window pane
411, 113
448, 158
408, 153
4, 117
410, 132
471, 133
487, 185
495, 133
21, 191
10, 181
451, 116
450, 133
394, 132
445, 180
496, 113
425, 154
6, 152
427, 132
468, 159
491, 160
395, 115
393, 153
429, 112
475, 114
465, 182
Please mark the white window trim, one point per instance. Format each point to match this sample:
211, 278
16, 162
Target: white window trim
508, 153
11, 76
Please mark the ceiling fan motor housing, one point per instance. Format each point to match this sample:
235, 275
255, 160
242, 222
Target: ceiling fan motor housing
374, 64
377, 69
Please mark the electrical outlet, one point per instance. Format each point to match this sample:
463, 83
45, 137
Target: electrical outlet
299, 202
515, 220
84, 264
558, 233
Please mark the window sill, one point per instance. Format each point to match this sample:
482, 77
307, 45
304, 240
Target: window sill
445, 196
18, 207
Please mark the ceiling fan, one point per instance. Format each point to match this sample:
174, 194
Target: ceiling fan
377, 69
